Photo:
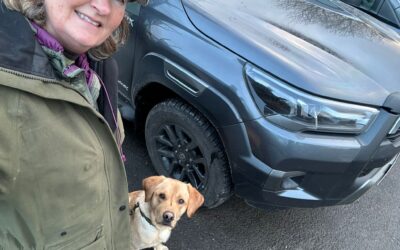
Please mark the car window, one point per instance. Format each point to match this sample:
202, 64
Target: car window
369, 4
386, 10
133, 9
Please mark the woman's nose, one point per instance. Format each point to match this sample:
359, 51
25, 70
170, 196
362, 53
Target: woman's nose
103, 7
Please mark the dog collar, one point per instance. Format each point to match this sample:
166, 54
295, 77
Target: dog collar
141, 213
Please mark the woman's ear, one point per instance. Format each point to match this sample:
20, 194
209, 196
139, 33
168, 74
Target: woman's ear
149, 185
196, 199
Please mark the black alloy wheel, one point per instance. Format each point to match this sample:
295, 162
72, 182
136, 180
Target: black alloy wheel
183, 145
181, 155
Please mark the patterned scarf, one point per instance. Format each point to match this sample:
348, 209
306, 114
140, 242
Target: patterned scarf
77, 72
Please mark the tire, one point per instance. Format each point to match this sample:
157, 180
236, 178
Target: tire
183, 145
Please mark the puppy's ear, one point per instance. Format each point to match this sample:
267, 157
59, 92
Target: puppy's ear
196, 199
149, 185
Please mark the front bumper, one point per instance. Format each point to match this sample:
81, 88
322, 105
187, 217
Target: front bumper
281, 168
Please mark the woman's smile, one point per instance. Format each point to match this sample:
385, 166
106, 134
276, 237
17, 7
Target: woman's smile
80, 25
87, 19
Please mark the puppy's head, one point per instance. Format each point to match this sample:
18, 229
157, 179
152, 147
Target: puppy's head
169, 199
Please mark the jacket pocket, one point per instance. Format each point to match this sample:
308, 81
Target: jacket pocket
86, 241
99, 244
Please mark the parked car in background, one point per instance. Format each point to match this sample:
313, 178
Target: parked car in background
291, 103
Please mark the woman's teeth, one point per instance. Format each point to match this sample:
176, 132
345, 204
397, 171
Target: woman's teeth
87, 19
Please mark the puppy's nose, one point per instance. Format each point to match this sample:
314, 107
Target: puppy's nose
168, 217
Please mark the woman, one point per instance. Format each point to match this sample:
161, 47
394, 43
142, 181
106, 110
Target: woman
62, 180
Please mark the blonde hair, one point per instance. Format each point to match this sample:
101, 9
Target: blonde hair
35, 10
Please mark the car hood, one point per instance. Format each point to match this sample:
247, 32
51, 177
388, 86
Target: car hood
324, 47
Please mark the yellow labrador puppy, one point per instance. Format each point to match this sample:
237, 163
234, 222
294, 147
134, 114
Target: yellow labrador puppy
156, 210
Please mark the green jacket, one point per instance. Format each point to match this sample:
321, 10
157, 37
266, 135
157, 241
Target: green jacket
62, 182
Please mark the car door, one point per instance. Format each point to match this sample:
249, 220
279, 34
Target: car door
125, 55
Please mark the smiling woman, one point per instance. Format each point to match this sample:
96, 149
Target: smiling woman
62, 179
80, 25
61, 22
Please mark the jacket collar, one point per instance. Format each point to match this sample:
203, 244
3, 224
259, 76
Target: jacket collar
25, 55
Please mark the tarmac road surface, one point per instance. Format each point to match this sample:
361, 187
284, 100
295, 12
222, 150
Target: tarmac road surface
372, 222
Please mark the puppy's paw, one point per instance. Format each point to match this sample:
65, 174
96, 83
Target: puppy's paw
133, 196
161, 247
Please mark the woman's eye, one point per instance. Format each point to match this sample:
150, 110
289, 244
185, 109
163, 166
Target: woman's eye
162, 196
181, 201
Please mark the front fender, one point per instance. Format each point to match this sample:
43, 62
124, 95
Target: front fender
156, 68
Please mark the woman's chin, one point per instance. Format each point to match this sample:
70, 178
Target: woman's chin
82, 46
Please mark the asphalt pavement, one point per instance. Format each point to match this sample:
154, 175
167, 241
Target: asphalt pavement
372, 222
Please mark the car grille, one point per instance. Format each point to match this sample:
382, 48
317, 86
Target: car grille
394, 132
394, 137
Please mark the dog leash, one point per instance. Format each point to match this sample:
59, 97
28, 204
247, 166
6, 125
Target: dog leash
141, 213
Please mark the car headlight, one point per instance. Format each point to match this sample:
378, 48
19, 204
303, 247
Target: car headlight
295, 110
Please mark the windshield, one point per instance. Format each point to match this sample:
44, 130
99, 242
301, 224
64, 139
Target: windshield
384, 10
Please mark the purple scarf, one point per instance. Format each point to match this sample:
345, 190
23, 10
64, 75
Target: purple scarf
47, 40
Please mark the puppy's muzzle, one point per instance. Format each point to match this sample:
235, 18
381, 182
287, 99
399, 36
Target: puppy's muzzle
168, 217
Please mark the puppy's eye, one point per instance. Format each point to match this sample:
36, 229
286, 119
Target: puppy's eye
162, 196
181, 201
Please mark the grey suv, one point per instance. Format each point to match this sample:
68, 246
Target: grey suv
291, 103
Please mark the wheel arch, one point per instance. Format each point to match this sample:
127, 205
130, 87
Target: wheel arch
152, 86
147, 97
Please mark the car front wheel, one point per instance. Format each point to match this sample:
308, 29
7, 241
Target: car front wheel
182, 144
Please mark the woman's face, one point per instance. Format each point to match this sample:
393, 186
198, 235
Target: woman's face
80, 25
